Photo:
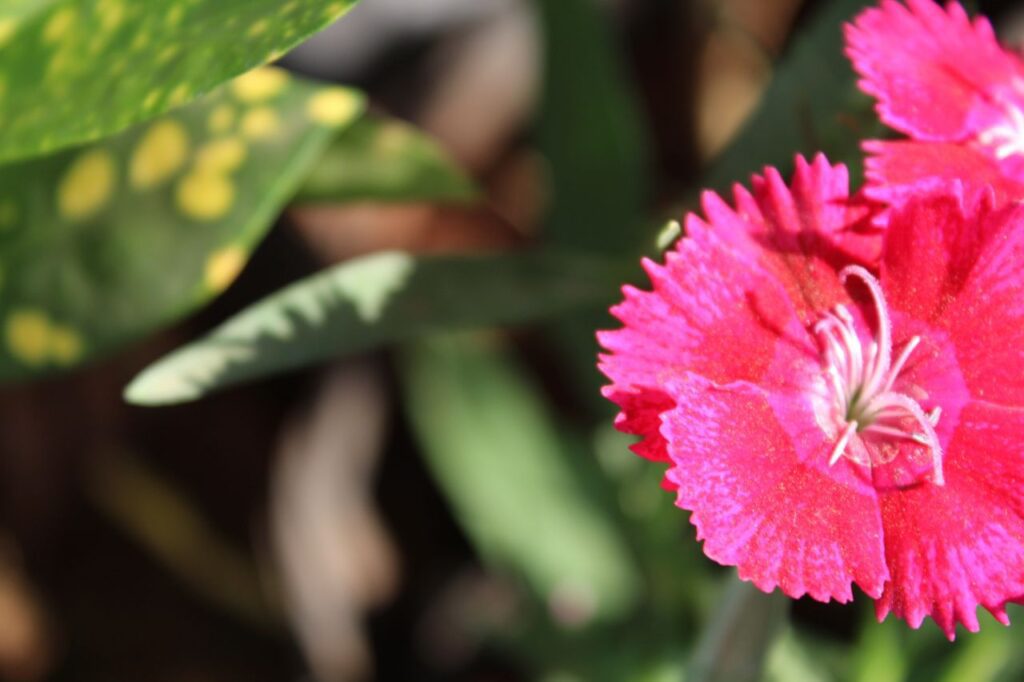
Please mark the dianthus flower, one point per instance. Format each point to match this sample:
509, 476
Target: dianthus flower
945, 82
838, 405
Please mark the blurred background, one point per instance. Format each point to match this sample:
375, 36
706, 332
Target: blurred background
455, 507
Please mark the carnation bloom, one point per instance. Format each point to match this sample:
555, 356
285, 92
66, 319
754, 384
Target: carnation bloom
944, 81
837, 405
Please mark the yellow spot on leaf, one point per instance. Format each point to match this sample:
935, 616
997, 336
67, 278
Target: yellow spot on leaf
151, 99
87, 185
334, 106
205, 195
174, 16
59, 24
221, 119
179, 95
59, 65
140, 41
168, 53
221, 156
260, 123
258, 28
7, 29
34, 339
111, 14
65, 345
28, 336
223, 267
159, 154
260, 84
392, 138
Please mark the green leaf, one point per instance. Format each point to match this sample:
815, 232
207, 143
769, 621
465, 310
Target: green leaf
499, 457
983, 657
591, 133
380, 159
735, 642
881, 655
73, 71
368, 301
793, 658
103, 243
812, 105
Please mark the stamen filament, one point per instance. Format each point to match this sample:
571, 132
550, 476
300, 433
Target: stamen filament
862, 379
907, 350
837, 451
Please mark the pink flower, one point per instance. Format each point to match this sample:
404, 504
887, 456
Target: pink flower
837, 405
944, 81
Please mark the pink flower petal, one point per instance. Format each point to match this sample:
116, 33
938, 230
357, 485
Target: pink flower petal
641, 416
711, 311
937, 75
931, 245
951, 548
898, 171
956, 262
803, 233
767, 502
718, 306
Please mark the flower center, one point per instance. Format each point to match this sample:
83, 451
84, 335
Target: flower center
862, 381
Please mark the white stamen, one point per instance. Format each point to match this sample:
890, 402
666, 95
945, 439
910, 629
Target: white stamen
863, 382
837, 451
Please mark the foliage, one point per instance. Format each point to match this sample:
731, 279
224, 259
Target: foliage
146, 158
102, 243
368, 301
73, 71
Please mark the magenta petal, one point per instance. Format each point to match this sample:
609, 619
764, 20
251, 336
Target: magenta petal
898, 171
935, 73
952, 548
806, 232
764, 500
641, 416
931, 245
711, 311
955, 261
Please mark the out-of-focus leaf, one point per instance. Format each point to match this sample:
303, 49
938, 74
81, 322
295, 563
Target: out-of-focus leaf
982, 657
792, 659
73, 71
380, 159
591, 133
376, 299
736, 640
880, 654
161, 519
499, 457
101, 244
811, 105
